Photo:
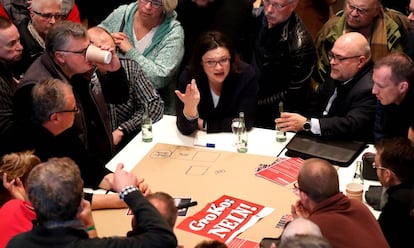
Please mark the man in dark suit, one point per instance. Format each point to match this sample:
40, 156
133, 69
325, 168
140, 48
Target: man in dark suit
344, 106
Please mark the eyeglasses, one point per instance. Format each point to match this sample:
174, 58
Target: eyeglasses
49, 16
277, 6
80, 52
378, 167
213, 63
296, 188
74, 110
154, 3
339, 58
360, 11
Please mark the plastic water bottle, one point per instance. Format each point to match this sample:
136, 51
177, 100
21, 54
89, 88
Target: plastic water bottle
280, 136
146, 126
241, 132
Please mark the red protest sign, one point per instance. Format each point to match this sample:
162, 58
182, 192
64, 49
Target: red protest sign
225, 218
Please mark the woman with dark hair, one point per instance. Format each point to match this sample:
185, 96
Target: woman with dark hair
217, 85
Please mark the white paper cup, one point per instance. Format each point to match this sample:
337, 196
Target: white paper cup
95, 54
354, 190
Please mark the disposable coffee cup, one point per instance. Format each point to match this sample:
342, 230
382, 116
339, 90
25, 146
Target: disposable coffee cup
95, 54
354, 190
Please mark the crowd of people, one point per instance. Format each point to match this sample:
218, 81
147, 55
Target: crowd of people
63, 117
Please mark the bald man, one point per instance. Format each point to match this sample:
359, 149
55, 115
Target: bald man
343, 107
343, 221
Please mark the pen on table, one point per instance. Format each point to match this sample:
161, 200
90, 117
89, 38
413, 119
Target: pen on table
210, 145
187, 205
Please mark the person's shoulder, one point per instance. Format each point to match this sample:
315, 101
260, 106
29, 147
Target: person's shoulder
334, 23
245, 68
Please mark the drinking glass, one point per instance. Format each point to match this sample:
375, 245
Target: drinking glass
235, 123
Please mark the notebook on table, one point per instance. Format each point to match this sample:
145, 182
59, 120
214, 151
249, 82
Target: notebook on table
337, 152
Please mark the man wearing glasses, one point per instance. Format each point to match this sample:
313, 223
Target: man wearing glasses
65, 59
385, 30
284, 57
343, 107
343, 221
43, 15
394, 162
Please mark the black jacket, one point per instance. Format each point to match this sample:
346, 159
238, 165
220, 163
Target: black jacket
395, 220
352, 112
284, 57
239, 93
154, 232
66, 144
7, 90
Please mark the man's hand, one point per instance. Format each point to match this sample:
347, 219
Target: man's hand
15, 187
114, 65
298, 210
122, 178
117, 136
85, 215
290, 122
143, 187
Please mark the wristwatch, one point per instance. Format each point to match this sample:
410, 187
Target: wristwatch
307, 125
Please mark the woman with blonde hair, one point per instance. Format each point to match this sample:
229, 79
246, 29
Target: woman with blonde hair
147, 31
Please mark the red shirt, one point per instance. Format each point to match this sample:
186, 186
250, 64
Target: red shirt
15, 217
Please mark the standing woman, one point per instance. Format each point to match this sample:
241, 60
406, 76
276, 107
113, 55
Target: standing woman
147, 31
216, 86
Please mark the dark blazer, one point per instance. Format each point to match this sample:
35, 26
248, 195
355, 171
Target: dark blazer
352, 113
239, 93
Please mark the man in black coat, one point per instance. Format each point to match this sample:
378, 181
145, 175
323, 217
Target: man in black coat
284, 57
343, 107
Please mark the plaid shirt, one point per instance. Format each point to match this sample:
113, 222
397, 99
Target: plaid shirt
128, 115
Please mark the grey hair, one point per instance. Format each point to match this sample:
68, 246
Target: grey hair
36, 4
48, 98
61, 33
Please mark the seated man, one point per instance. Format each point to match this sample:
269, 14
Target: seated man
55, 189
385, 29
394, 162
126, 118
51, 134
340, 219
393, 86
343, 107
65, 59
165, 205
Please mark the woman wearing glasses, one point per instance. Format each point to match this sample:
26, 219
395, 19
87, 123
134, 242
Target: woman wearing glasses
147, 31
215, 87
